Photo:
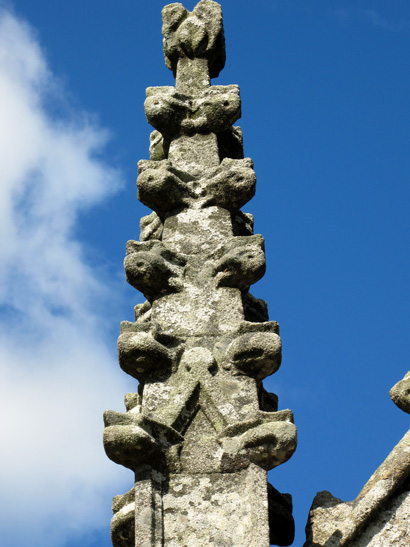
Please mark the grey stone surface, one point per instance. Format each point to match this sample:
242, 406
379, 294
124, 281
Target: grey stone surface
379, 516
201, 432
400, 394
195, 36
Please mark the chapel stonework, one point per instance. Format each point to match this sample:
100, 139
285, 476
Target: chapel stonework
201, 432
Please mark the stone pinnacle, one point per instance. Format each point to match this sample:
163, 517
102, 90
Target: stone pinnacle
201, 432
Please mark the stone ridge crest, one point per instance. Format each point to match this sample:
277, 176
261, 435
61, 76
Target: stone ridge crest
378, 517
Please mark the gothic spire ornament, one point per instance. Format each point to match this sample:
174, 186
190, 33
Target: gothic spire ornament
201, 432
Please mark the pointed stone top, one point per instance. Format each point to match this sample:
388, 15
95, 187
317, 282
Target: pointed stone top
194, 35
400, 394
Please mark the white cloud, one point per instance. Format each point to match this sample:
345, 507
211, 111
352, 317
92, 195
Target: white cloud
378, 20
56, 371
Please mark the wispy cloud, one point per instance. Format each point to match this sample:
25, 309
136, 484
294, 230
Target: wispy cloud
373, 17
56, 371
379, 20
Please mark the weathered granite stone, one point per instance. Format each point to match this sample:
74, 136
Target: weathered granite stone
213, 109
150, 227
400, 394
242, 262
254, 354
380, 515
164, 188
122, 523
141, 356
152, 268
201, 432
193, 36
229, 142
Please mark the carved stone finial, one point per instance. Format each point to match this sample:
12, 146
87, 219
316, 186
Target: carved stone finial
201, 432
194, 44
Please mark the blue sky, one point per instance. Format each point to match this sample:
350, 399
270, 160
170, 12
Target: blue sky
325, 92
